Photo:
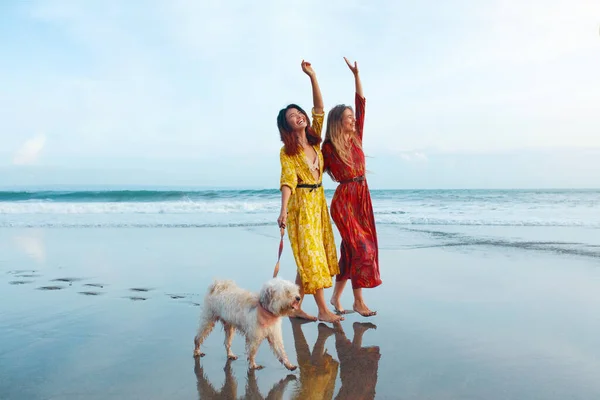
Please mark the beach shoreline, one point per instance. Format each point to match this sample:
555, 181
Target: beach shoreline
454, 321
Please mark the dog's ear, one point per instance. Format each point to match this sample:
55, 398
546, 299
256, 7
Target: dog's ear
266, 297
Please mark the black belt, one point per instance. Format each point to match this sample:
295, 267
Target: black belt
355, 179
309, 186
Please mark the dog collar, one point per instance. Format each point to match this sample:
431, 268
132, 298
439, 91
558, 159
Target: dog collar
264, 316
265, 310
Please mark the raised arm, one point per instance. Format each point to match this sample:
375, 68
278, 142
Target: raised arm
357, 82
359, 99
316, 90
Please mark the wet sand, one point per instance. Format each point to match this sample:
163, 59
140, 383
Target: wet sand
111, 314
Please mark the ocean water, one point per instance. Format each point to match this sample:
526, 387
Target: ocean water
235, 208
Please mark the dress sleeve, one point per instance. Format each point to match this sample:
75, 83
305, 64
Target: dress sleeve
288, 172
317, 122
360, 114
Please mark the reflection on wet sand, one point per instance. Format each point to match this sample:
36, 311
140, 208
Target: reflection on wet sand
358, 365
229, 389
33, 245
318, 369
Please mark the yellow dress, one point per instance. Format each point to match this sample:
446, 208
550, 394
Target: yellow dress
308, 224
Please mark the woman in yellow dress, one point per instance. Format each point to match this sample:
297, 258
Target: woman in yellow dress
304, 210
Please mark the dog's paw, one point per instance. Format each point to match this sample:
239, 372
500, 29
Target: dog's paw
256, 366
232, 357
290, 378
198, 353
291, 367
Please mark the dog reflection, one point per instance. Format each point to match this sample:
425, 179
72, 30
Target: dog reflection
318, 370
229, 390
358, 365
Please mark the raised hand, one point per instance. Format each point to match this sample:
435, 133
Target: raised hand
317, 98
307, 68
354, 68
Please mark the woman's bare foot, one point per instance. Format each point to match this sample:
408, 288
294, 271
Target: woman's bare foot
363, 310
325, 330
337, 307
302, 315
328, 316
362, 327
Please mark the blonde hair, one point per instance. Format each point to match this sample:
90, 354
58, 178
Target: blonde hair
335, 134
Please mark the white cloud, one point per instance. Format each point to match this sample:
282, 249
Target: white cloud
30, 151
162, 83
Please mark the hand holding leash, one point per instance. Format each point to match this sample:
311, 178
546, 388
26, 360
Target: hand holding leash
281, 221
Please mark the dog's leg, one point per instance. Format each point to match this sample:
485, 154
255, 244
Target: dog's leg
229, 331
252, 344
252, 389
276, 342
207, 325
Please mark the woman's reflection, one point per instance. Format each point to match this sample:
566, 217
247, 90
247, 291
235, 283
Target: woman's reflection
359, 365
318, 369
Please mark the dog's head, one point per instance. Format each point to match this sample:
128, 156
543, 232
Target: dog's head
280, 297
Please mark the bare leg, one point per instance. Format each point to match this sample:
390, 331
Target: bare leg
300, 313
324, 313
278, 390
319, 347
300, 344
204, 330
360, 306
359, 329
337, 293
229, 331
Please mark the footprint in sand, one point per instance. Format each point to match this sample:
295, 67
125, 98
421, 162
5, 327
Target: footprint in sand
136, 298
27, 276
67, 280
51, 288
96, 285
140, 289
176, 296
93, 292
192, 303
19, 282
90, 293
21, 271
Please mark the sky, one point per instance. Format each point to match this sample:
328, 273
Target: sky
461, 94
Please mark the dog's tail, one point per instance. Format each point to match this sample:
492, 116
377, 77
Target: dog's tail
219, 286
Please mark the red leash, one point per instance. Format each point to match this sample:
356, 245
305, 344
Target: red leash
282, 230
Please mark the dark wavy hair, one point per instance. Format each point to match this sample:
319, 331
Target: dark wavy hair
290, 141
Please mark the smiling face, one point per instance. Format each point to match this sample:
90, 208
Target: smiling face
296, 120
348, 121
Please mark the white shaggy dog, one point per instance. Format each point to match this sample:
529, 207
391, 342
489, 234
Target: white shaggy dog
256, 316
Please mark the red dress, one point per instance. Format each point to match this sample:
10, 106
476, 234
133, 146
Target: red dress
352, 211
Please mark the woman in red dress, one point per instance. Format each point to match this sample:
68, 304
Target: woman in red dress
351, 207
